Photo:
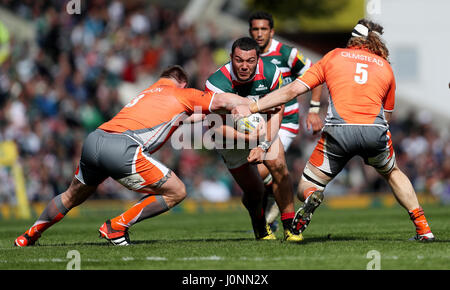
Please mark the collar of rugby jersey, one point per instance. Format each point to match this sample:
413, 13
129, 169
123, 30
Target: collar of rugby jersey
360, 48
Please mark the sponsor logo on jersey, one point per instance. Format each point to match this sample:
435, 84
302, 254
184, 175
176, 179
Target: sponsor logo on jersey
261, 87
275, 61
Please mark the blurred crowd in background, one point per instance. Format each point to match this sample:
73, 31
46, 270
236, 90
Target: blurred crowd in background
60, 87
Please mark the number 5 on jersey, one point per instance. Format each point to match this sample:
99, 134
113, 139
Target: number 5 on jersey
361, 73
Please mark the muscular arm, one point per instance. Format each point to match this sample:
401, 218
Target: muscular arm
231, 133
279, 97
225, 102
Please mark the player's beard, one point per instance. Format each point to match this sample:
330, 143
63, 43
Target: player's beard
264, 46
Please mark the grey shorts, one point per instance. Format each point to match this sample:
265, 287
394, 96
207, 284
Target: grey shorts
120, 157
339, 143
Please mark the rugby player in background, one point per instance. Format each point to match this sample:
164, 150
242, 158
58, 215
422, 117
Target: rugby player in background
292, 64
251, 77
362, 98
122, 148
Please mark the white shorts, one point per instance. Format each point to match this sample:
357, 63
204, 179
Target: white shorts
286, 138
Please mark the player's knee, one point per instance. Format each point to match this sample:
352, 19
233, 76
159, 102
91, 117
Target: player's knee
279, 169
389, 169
76, 194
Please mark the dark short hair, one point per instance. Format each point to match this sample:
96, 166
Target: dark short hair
260, 15
246, 43
175, 72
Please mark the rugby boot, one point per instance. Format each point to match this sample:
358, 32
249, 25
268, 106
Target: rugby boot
289, 236
264, 234
303, 215
25, 240
115, 237
428, 237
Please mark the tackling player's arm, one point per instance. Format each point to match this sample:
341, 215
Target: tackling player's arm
313, 77
225, 102
278, 97
220, 85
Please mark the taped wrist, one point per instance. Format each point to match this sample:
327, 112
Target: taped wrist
314, 107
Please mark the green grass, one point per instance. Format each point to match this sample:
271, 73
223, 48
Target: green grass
336, 239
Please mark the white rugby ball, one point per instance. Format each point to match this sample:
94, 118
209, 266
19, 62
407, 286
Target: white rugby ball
249, 123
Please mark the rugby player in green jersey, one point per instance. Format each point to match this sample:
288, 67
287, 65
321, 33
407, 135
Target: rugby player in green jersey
250, 76
292, 64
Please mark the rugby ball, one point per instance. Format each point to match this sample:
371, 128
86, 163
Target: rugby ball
248, 124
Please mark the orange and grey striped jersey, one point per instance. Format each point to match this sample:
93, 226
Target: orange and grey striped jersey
361, 85
152, 116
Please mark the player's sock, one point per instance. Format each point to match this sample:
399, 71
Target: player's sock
268, 194
286, 220
52, 214
307, 192
149, 206
257, 217
418, 218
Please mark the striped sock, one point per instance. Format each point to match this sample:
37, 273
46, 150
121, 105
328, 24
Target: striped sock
52, 214
149, 206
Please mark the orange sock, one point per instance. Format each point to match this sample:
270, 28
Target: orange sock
418, 218
307, 192
148, 207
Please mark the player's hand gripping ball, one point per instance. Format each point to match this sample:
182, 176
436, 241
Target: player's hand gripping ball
248, 124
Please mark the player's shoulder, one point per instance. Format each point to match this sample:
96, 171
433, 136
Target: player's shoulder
285, 49
221, 79
334, 52
269, 68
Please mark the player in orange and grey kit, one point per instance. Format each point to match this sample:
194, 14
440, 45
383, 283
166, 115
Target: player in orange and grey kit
362, 97
122, 149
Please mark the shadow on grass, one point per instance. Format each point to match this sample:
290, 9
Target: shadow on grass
145, 242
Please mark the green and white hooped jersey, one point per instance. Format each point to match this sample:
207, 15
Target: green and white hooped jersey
292, 64
267, 78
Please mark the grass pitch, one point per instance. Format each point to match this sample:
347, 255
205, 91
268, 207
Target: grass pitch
335, 239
